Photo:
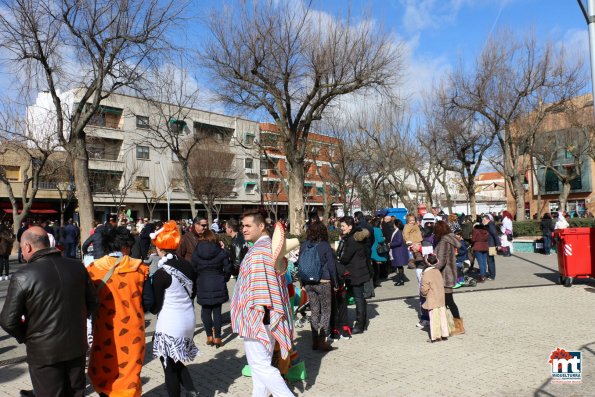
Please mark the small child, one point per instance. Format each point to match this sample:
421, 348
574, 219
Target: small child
432, 287
462, 259
412, 232
418, 263
152, 261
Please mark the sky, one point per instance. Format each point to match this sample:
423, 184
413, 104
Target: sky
436, 34
439, 34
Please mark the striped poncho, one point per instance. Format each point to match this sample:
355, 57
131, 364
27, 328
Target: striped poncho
259, 286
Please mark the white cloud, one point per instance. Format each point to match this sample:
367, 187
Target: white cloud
576, 42
433, 14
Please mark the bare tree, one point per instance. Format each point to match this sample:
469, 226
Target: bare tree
280, 57
59, 174
24, 154
152, 198
213, 175
459, 142
513, 78
96, 47
120, 185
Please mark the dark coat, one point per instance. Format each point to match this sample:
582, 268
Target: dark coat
399, 250
494, 238
213, 270
145, 239
71, 234
447, 263
480, 239
135, 250
237, 251
356, 257
187, 245
96, 240
547, 227
6, 242
56, 296
327, 260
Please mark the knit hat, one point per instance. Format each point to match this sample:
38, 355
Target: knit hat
281, 247
168, 237
428, 218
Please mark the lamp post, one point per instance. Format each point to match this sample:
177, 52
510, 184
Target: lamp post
589, 15
167, 189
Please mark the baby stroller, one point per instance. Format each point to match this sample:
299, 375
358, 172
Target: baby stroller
463, 280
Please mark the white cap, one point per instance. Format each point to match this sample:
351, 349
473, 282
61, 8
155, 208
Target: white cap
428, 218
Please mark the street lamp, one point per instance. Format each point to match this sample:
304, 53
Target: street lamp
589, 15
167, 189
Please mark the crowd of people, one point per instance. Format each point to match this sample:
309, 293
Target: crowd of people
163, 268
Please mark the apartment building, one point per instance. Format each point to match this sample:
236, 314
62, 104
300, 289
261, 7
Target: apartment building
319, 184
130, 167
566, 150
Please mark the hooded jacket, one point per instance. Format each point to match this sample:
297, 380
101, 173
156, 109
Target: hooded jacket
356, 257
447, 262
213, 270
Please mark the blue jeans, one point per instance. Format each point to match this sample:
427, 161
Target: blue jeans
482, 258
547, 244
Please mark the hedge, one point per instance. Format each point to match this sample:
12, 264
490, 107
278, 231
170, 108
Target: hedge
531, 228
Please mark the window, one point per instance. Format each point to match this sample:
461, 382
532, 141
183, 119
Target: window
249, 138
319, 190
142, 153
250, 187
177, 185
177, 126
248, 164
551, 181
13, 172
142, 122
576, 183
142, 182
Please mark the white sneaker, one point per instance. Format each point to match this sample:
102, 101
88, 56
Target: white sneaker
422, 324
5, 278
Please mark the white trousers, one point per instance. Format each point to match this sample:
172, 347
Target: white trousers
266, 379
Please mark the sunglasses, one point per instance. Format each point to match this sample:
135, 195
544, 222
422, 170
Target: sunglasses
203, 225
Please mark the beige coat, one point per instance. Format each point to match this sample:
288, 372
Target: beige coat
432, 287
412, 233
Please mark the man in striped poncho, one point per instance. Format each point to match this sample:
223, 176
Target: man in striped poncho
259, 309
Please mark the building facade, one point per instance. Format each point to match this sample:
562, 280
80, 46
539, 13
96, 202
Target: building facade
131, 169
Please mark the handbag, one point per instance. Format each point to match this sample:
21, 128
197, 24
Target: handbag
492, 251
382, 249
509, 237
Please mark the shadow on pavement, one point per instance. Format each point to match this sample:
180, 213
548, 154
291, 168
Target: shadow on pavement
10, 373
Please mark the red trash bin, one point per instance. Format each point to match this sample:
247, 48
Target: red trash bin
575, 253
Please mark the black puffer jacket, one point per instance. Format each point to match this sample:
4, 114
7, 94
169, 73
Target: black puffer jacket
56, 295
213, 270
356, 257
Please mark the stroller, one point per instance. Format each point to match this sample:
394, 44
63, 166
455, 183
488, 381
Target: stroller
463, 280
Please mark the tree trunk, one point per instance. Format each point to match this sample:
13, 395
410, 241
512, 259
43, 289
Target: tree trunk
83, 188
473, 203
188, 186
209, 209
563, 197
519, 193
296, 196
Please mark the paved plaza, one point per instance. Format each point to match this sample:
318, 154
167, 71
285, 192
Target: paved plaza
513, 324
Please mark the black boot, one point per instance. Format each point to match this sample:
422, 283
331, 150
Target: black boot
315, 339
400, 277
358, 327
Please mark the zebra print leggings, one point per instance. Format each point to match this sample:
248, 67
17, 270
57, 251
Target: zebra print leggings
319, 296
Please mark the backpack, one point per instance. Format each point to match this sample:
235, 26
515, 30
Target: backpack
309, 265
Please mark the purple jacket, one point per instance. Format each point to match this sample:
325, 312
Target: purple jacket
398, 248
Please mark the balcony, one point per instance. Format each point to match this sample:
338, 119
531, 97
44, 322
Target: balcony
106, 164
